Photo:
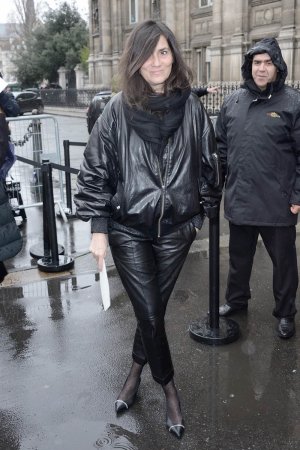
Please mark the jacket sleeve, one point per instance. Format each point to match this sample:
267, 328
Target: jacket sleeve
98, 175
295, 196
221, 138
9, 104
200, 92
3, 139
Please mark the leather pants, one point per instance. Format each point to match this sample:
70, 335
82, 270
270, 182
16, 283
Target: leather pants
149, 268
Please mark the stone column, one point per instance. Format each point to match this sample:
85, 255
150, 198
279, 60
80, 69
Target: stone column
238, 39
286, 37
216, 42
62, 71
79, 77
170, 14
104, 62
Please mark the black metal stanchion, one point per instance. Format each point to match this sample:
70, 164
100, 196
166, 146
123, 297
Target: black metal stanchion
43, 250
66, 145
214, 330
51, 261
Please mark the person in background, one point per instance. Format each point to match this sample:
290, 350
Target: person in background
258, 137
8, 108
149, 168
8, 103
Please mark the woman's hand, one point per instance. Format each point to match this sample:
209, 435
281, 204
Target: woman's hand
98, 248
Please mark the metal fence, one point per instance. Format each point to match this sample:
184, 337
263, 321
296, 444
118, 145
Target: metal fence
213, 102
82, 97
76, 98
36, 138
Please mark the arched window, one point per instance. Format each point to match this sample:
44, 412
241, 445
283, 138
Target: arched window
133, 11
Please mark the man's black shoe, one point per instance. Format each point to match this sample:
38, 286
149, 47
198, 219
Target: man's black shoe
286, 328
227, 310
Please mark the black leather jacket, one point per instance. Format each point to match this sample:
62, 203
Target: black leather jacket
123, 178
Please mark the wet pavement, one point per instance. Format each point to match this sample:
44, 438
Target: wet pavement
63, 360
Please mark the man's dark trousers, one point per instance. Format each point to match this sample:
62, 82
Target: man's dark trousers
280, 245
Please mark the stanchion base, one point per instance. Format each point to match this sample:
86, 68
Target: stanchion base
227, 332
47, 265
37, 251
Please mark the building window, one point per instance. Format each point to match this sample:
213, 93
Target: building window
203, 66
133, 16
95, 16
203, 3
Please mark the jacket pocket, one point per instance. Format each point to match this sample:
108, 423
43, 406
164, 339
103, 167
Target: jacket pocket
116, 206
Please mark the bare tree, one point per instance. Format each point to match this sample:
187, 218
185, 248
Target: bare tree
25, 16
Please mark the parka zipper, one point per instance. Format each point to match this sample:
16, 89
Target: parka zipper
163, 187
217, 168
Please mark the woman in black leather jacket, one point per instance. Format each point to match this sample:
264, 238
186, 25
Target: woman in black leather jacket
149, 168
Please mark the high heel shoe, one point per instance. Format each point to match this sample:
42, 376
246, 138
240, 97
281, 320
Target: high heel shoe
176, 429
124, 405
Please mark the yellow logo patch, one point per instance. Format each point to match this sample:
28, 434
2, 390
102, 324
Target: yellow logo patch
273, 114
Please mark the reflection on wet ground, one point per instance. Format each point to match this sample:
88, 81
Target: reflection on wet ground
63, 361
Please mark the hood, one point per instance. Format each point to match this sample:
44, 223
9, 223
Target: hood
270, 46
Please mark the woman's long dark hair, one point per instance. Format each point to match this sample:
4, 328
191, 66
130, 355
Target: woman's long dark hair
139, 47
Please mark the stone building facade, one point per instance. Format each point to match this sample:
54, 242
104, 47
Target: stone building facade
213, 34
8, 43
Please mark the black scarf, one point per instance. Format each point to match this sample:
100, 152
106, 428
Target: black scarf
162, 118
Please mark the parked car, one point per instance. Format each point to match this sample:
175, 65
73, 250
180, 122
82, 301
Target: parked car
52, 86
33, 89
28, 101
96, 108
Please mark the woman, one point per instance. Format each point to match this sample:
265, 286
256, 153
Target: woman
148, 157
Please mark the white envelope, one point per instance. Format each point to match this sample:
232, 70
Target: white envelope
104, 288
3, 84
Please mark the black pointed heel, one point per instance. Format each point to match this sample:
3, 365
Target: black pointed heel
124, 405
176, 429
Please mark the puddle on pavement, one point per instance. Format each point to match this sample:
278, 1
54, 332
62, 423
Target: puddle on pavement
115, 436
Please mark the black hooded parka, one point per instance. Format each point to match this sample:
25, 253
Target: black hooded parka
258, 137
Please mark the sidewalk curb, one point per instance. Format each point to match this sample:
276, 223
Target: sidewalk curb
63, 111
85, 263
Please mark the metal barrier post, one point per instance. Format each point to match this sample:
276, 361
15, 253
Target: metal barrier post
37, 149
45, 251
66, 144
214, 330
54, 263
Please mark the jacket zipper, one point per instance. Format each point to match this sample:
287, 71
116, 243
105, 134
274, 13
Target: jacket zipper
217, 168
163, 186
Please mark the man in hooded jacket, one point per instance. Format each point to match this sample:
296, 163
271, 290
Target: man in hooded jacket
258, 136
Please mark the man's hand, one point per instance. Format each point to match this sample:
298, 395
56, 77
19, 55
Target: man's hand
295, 209
98, 248
213, 90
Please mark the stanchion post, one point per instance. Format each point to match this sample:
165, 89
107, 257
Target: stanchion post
214, 269
212, 329
46, 238
66, 144
48, 200
54, 262
50, 249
